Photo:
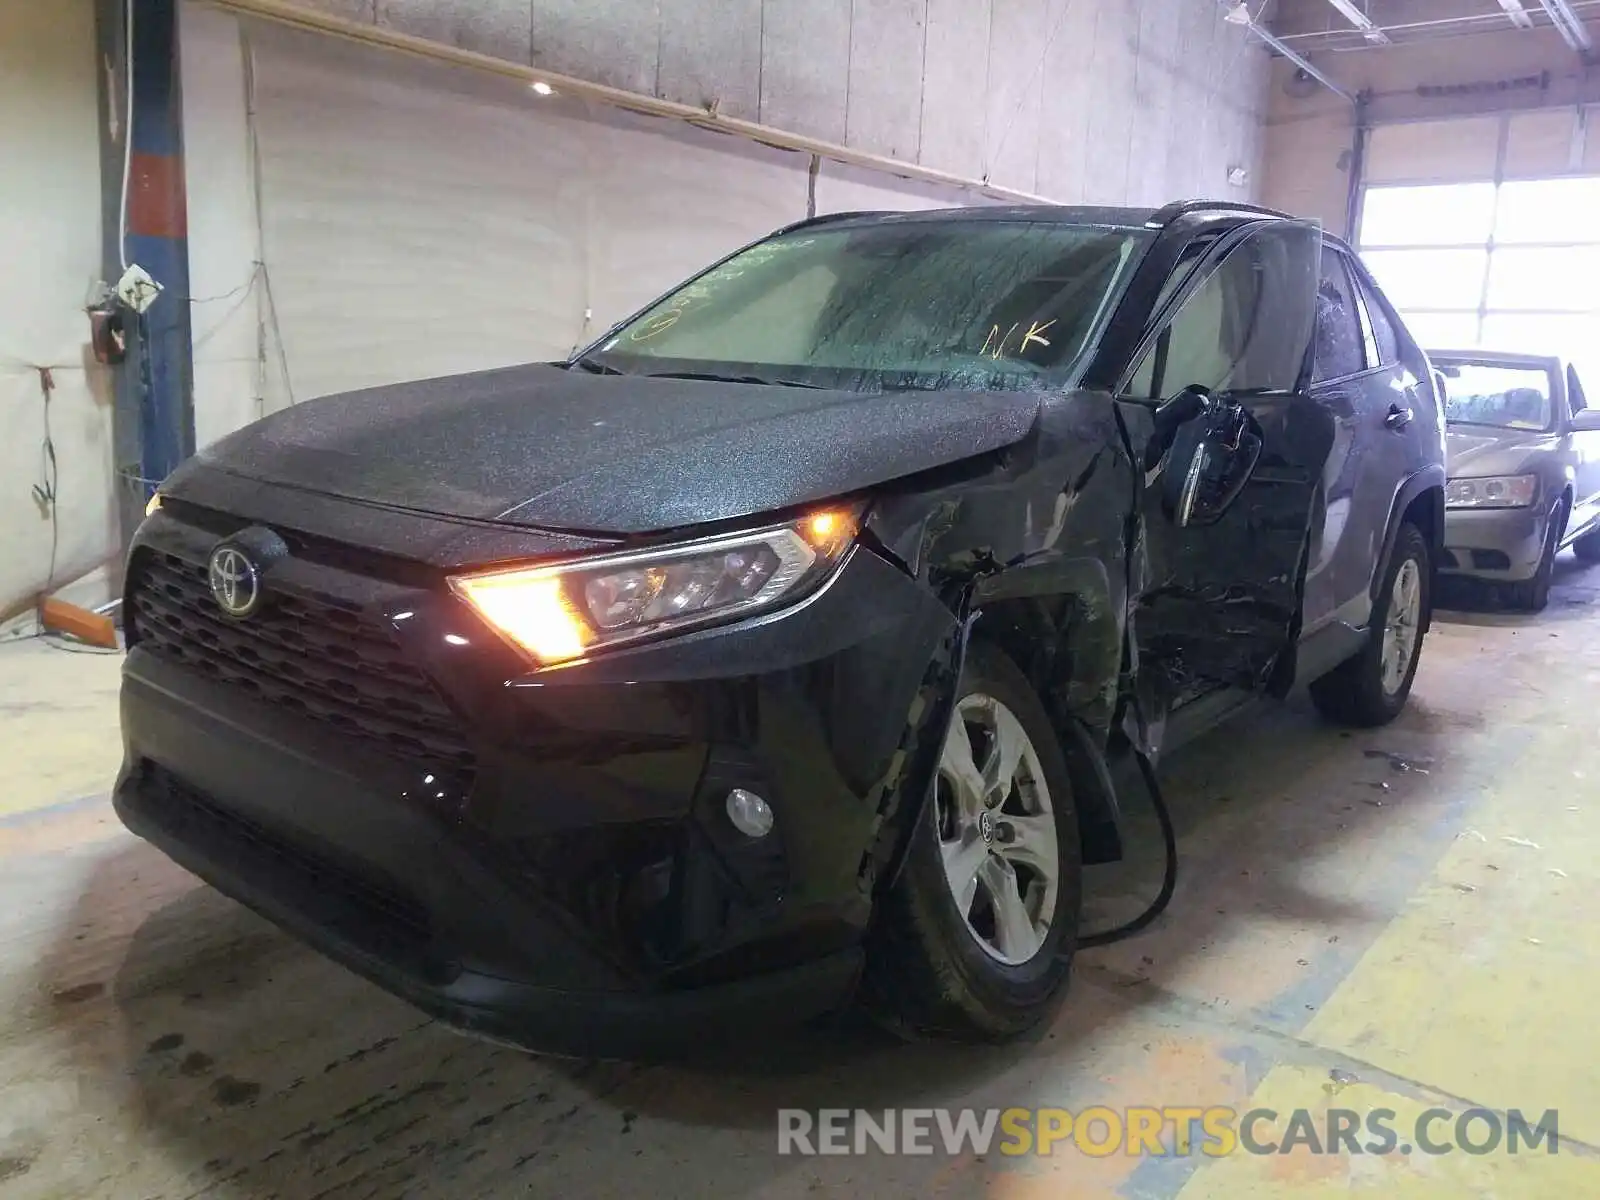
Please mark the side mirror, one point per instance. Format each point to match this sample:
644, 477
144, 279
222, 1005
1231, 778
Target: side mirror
1586, 420
1213, 457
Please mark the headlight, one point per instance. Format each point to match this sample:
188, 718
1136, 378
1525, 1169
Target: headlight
567, 610
1494, 491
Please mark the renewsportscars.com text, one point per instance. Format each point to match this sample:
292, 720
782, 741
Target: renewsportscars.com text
1165, 1131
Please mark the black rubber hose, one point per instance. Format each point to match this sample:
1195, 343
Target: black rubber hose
1169, 883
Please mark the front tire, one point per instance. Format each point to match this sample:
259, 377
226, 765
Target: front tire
1532, 595
1371, 688
976, 937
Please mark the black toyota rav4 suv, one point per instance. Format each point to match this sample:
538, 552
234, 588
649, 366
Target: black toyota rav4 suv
776, 650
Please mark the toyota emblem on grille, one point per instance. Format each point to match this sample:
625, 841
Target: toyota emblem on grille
235, 581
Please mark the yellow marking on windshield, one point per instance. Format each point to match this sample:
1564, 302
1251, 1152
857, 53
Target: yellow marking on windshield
654, 326
995, 344
999, 346
1035, 334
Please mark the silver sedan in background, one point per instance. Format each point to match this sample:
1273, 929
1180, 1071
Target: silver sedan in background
1523, 456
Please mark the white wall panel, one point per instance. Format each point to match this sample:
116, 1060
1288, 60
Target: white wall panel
669, 200
50, 244
617, 44
852, 189
806, 93
886, 53
711, 54
415, 223
224, 277
955, 80
497, 27
1019, 34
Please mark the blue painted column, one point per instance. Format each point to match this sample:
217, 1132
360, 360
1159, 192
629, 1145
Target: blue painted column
157, 239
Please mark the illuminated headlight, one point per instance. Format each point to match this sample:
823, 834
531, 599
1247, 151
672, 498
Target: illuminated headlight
152, 505
1494, 491
566, 610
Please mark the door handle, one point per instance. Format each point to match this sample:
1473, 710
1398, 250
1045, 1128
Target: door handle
1398, 418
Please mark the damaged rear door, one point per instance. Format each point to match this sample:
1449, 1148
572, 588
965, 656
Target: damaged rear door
1232, 448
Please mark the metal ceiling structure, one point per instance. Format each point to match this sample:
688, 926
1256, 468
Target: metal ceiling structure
1362, 24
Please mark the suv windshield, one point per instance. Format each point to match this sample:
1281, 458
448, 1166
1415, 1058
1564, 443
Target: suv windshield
1504, 397
980, 305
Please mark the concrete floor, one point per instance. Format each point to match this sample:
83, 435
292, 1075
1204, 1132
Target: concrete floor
1345, 927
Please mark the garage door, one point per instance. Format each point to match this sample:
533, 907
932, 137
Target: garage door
1486, 233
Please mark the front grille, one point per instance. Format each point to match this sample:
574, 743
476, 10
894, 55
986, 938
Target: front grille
189, 813
312, 656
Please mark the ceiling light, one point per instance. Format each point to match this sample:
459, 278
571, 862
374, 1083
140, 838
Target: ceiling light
1239, 14
542, 88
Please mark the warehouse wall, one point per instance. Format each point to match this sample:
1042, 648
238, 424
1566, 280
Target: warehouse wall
412, 218
1072, 99
1433, 104
50, 244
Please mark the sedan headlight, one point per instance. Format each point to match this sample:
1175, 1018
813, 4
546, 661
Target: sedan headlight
566, 610
1492, 491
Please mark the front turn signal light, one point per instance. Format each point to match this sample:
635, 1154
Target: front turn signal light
563, 611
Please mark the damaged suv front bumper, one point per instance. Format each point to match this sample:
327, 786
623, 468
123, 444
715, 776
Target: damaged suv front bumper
543, 858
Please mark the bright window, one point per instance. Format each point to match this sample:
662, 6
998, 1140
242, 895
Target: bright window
1513, 266
1548, 210
1429, 278
1446, 215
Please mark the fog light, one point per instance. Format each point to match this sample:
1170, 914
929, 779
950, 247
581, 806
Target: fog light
750, 814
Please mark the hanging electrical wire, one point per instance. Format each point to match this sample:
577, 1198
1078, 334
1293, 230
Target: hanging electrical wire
46, 493
127, 135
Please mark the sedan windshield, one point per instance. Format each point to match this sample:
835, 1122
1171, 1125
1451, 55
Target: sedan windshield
980, 305
1504, 397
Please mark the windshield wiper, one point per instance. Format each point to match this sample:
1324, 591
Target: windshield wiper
711, 377
594, 368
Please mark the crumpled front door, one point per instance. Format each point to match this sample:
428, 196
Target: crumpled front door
1216, 598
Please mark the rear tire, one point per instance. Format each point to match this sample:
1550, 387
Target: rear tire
1532, 595
989, 969
1371, 688
1587, 548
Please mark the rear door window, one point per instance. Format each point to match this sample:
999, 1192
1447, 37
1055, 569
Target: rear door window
1339, 342
1383, 329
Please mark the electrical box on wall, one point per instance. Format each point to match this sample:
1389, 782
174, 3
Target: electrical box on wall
107, 337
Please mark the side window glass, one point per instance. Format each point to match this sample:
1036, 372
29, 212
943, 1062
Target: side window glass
1382, 327
1191, 256
1339, 343
1245, 327
1575, 398
1369, 337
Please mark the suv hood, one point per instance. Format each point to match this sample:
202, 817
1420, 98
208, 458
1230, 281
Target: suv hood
1478, 450
544, 447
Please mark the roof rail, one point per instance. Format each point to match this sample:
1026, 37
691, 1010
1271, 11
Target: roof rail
1178, 208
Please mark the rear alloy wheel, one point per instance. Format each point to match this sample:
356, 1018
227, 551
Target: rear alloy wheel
976, 936
1371, 688
1533, 594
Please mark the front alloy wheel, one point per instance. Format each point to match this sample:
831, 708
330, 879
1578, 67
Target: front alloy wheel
976, 936
997, 830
